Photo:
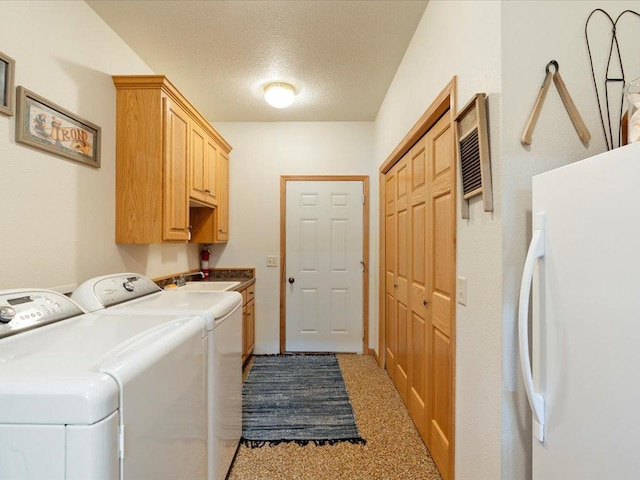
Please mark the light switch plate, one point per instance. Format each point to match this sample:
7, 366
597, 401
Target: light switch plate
272, 260
461, 290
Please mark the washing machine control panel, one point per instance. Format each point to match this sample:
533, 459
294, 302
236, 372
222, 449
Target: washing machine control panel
122, 288
22, 310
109, 290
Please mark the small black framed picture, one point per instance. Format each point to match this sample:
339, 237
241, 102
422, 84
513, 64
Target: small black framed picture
7, 76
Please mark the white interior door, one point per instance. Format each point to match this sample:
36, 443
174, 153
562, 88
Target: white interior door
324, 255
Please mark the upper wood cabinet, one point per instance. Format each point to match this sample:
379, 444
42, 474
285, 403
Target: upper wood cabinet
167, 160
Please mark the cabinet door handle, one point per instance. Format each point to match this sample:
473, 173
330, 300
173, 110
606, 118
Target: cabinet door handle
291, 280
424, 302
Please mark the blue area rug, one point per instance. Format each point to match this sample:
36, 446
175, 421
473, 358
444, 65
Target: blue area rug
296, 398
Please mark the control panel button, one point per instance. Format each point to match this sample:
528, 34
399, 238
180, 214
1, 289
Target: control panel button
128, 286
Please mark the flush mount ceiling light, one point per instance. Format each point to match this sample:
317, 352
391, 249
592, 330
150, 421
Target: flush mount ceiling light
279, 95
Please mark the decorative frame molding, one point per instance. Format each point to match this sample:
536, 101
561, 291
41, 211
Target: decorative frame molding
44, 125
7, 78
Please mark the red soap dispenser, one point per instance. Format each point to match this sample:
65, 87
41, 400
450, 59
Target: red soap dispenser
204, 261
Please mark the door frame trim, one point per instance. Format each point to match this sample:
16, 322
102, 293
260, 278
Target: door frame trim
365, 249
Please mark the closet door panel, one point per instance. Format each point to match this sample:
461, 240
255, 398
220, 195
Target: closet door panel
439, 443
418, 274
418, 301
391, 337
441, 284
390, 255
401, 375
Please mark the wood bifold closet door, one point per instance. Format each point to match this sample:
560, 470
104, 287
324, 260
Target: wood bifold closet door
419, 192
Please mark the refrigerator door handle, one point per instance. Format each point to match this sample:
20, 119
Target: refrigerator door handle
536, 251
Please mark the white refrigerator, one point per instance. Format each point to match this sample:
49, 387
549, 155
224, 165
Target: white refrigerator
582, 375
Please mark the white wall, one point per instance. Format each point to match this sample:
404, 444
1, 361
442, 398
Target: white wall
463, 39
262, 152
58, 215
533, 33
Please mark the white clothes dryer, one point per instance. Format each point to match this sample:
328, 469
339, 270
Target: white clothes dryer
101, 397
133, 293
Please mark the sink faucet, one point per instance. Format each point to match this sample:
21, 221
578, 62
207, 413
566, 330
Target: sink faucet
183, 278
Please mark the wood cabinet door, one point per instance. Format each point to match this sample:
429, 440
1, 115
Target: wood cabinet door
248, 328
251, 326
204, 155
209, 172
196, 170
245, 334
175, 213
222, 212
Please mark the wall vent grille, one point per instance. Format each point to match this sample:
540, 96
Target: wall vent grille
470, 163
473, 153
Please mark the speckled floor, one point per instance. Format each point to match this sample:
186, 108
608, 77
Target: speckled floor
394, 450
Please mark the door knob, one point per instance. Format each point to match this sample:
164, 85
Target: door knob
291, 280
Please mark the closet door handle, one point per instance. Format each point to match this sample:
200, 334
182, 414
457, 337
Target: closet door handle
291, 280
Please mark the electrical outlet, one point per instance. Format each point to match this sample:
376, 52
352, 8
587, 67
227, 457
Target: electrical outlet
461, 290
272, 260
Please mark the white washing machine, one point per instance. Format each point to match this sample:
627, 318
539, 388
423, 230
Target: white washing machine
101, 397
133, 293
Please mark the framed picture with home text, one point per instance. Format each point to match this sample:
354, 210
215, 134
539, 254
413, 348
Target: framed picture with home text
7, 75
43, 124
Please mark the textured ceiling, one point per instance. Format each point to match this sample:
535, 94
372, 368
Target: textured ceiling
340, 55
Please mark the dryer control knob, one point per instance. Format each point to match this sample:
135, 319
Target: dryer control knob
128, 286
7, 313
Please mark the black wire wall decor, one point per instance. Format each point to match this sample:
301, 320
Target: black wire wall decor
610, 79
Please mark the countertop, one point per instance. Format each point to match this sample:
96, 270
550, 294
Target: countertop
244, 283
245, 275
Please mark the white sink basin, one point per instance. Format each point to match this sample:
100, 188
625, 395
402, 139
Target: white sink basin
210, 286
